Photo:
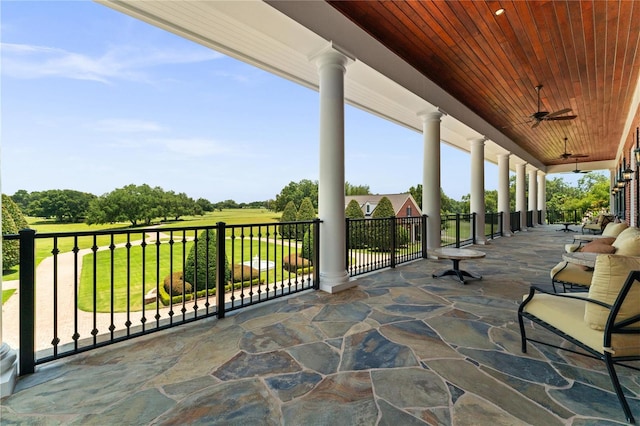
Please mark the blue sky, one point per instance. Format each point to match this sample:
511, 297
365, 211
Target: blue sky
93, 100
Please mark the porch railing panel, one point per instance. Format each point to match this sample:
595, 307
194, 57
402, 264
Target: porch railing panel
92, 289
378, 243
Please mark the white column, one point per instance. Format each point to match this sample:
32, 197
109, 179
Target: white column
533, 195
521, 199
542, 196
431, 201
333, 269
8, 356
477, 187
503, 193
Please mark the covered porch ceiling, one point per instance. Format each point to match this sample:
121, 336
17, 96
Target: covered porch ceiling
459, 57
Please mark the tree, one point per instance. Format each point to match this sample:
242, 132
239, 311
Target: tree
356, 190
416, 193
201, 265
131, 203
12, 221
205, 205
305, 212
356, 237
296, 192
383, 209
65, 205
380, 234
289, 214
22, 199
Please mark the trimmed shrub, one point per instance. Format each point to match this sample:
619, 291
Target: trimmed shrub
294, 262
289, 214
12, 221
243, 272
175, 283
383, 209
305, 212
205, 246
307, 244
357, 236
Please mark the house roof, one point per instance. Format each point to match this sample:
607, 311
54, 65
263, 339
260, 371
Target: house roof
397, 200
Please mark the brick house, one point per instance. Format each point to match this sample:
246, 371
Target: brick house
404, 205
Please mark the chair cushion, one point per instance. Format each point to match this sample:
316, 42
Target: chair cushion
571, 273
609, 275
566, 315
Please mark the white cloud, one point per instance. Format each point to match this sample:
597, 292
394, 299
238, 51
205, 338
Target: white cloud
117, 63
194, 147
123, 125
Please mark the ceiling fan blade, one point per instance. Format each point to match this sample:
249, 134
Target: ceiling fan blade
536, 124
565, 117
562, 111
578, 155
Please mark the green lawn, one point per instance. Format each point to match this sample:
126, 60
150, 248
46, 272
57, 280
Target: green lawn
241, 251
6, 294
44, 247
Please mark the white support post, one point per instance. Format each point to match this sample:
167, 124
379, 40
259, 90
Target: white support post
478, 205
521, 199
331, 65
504, 202
431, 176
533, 196
542, 196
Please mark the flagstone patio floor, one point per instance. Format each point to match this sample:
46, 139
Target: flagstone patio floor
400, 348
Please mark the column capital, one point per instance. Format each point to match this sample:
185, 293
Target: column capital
331, 55
477, 141
430, 116
504, 155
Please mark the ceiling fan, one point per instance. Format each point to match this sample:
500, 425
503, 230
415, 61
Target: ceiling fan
565, 155
577, 170
540, 116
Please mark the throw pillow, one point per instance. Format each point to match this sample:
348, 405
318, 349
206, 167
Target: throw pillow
598, 247
629, 246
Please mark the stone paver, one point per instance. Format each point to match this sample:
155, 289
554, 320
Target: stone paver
401, 348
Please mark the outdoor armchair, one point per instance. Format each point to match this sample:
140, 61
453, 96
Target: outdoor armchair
603, 324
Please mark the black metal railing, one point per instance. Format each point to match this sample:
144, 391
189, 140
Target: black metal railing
458, 230
515, 221
374, 244
101, 287
493, 225
559, 216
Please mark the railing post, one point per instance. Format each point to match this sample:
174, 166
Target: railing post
457, 230
27, 301
423, 237
501, 223
393, 240
316, 253
473, 226
221, 267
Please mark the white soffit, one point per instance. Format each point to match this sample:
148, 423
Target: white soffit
261, 35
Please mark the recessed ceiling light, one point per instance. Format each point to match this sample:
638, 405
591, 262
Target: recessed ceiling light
499, 11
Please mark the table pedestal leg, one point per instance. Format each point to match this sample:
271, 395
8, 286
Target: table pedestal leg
458, 272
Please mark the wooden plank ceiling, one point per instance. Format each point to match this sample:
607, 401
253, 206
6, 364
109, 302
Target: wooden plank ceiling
584, 53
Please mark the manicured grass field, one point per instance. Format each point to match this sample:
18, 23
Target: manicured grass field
6, 294
44, 247
140, 281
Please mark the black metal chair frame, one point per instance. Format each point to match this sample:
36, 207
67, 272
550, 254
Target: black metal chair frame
611, 327
567, 286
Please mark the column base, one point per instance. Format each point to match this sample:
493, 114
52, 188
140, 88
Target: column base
334, 283
8, 370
